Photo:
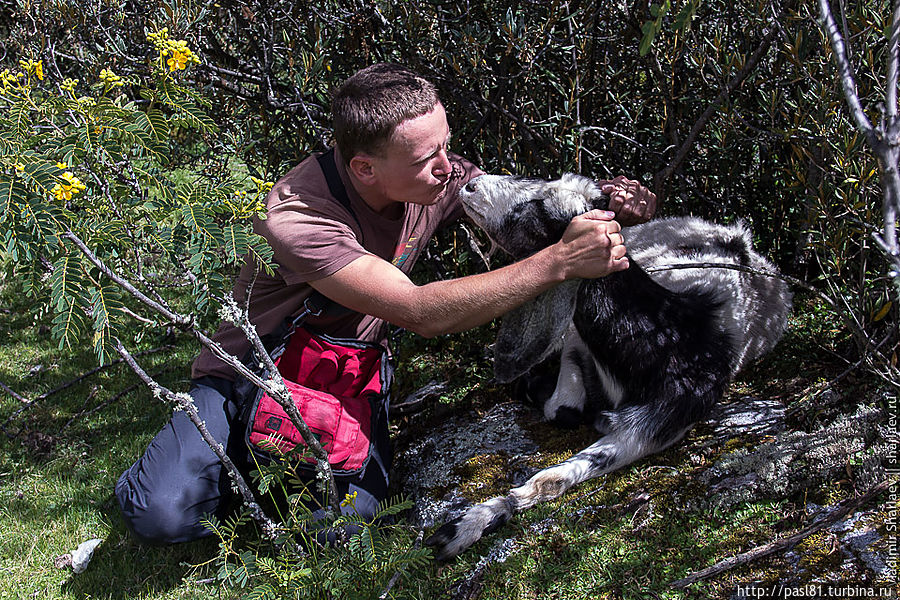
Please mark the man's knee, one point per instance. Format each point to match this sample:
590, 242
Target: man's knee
160, 517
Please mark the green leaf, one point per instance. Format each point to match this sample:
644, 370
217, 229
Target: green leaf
106, 308
198, 219
68, 323
154, 123
685, 16
20, 120
41, 175
12, 191
649, 29
236, 243
185, 109
66, 281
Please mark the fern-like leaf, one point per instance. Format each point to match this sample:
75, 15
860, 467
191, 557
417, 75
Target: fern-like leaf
67, 299
12, 192
106, 307
198, 219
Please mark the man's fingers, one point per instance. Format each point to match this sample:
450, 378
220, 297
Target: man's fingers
599, 215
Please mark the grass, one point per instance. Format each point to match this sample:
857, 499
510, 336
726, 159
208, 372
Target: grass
620, 537
58, 470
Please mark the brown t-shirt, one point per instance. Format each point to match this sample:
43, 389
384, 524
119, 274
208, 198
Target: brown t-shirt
314, 236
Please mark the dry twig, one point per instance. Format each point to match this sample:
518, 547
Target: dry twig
843, 509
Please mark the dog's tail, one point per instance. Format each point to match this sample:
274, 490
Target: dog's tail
606, 455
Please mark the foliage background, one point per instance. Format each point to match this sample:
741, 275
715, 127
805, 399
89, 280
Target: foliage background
538, 88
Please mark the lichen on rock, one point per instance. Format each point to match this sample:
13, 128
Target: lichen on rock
797, 460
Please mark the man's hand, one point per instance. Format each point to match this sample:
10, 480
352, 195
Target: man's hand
632, 202
592, 246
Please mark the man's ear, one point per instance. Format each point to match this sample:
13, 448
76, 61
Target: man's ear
362, 168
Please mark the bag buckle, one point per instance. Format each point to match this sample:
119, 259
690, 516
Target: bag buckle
309, 310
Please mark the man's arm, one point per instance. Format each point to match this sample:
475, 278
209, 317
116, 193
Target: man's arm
590, 247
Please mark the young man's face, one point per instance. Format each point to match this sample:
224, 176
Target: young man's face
413, 167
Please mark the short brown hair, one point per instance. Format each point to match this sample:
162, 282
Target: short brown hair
373, 102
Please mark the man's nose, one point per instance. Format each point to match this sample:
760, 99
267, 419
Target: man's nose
443, 166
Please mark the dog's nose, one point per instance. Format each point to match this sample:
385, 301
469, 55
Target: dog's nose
470, 187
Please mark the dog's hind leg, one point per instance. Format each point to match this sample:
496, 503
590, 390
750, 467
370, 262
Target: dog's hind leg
607, 454
566, 404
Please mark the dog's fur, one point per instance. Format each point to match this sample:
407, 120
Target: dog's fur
644, 357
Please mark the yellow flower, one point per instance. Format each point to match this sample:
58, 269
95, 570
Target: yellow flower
178, 61
20, 168
349, 499
177, 50
73, 181
31, 67
62, 165
62, 192
110, 79
71, 187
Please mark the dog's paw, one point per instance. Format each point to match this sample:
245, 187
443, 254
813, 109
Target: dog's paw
567, 417
452, 539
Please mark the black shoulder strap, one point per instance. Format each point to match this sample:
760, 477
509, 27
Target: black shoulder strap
317, 304
335, 185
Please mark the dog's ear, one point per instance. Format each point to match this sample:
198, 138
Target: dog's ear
587, 188
530, 333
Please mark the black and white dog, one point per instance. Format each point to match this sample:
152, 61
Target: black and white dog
646, 352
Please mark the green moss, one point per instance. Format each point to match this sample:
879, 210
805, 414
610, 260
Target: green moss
820, 553
484, 476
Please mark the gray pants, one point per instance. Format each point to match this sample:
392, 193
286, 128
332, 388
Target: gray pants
167, 491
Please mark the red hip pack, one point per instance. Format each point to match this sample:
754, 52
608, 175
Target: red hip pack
338, 385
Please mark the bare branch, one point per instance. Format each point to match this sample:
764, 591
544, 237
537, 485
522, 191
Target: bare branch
843, 509
890, 100
844, 311
737, 80
29, 403
279, 391
848, 80
274, 386
185, 402
175, 318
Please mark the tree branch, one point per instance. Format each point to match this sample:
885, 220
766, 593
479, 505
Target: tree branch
845, 313
890, 100
238, 317
29, 403
839, 513
883, 142
845, 70
686, 146
274, 386
184, 402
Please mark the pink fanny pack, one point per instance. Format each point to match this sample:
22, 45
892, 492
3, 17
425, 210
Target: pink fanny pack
339, 387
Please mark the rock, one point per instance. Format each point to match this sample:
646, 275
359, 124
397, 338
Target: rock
430, 465
748, 414
82, 555
796, 460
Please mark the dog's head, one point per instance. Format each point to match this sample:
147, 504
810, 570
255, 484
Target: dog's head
524, 215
